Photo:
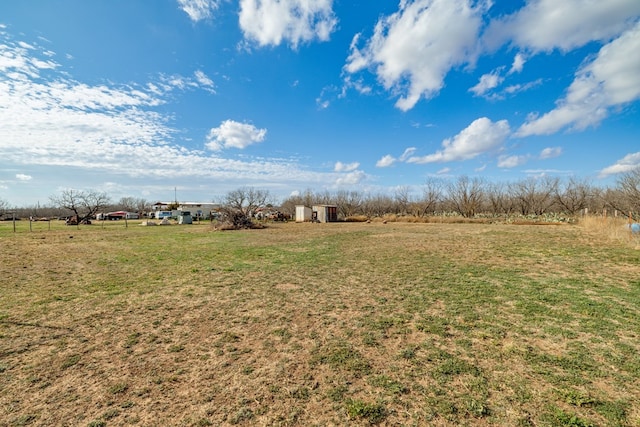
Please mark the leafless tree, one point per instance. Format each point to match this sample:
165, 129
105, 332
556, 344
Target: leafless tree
84, 204
133, 204
348, 202
626, 196
499, 199
4, 207
432, 195
573, 195
466, 195
240, 205
534, 195
127, 204
402, 199
377, 205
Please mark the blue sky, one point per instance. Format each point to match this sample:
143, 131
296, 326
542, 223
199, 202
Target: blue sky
206, 96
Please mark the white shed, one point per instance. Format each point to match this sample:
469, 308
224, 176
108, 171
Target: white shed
303, 213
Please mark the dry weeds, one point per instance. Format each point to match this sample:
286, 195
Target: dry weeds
318, 324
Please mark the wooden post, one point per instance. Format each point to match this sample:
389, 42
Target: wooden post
13, 218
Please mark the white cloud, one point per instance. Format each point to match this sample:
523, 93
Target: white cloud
199, 10
351, 178
23, 177
345, 167
509, 162
550, 153
413, 49
487, 82
389, 160
626, 164
544, 25
407, 153
610, 80
270, 22
53, 124
518, 63
204, 81
479, 137
357, 84
232, 134
386, 161
513, 89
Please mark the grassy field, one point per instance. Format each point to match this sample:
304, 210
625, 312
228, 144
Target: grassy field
318, 324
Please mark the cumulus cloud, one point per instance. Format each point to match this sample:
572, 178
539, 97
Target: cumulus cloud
480, 137
566, 24
509, 162
550, 153
518, 63
487, 82
386, 161
270, 22
23, 177
351, 178
232, 134
199, 10
412, 50
51, 123
626, 164
389, 160
610, 80
345, 167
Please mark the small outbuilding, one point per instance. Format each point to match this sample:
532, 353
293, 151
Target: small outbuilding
324, 213
185, 218
303, 213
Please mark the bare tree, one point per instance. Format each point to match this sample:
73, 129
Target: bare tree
84, 204
466, 195
127, 204
534, 195
377, 205
402, 198
133, 204
432, 195
4, 207
626, 196
348, 202
573, 195
500, 201
239, 206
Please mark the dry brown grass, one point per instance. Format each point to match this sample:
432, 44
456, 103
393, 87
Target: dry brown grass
616, 229
318, 324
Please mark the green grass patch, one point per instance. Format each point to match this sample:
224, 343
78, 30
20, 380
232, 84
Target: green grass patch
319, 324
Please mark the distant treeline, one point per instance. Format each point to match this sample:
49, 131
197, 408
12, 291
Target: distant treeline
465, 196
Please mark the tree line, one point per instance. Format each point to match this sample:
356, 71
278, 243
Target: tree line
465, 196
474, 196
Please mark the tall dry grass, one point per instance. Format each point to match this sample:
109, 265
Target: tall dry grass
614, 228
